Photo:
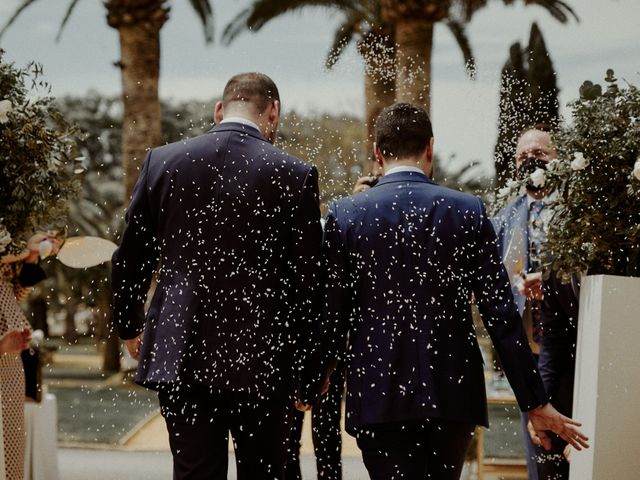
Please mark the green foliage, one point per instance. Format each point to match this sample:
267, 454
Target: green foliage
595, 184
528, 95
38, 175
333, 145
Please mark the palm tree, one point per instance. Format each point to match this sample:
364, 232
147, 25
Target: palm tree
363, 23
413, 22
138, 23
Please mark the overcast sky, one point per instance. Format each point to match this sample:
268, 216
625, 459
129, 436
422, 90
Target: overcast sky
292, 50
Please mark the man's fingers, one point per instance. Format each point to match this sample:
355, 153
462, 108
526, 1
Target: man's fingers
536, 440
302, 407
573, 441
571, 421
539, 437
545, 443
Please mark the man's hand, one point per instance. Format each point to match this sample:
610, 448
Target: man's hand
303, 407
545, 418
363, 184
567, 453
134, 346
531, 286
15, 341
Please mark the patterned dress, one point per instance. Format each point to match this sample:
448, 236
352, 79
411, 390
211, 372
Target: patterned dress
12, 389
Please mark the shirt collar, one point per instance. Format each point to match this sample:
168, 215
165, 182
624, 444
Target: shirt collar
403, 168
240, 120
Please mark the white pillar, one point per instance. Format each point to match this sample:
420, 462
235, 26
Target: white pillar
607, 383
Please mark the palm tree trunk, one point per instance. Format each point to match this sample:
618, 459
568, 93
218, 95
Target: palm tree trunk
414, 39
70, 332
378, 51
138, 23
140, 65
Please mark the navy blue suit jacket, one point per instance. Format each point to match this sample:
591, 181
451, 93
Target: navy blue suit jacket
402, 260
234, 223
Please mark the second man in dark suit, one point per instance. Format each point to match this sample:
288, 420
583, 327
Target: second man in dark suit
402, 261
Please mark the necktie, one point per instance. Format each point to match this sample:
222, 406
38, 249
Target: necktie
537, 237
537, 240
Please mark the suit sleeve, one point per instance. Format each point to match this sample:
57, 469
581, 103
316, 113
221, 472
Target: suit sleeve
305, 258
558, 342
502, 320
331, 332
134, 262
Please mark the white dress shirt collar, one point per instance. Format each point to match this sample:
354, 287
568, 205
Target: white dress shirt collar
404, 168
241, 120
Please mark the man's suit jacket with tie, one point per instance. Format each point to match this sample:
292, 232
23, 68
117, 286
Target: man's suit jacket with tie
512, 230
234, 224
402, 261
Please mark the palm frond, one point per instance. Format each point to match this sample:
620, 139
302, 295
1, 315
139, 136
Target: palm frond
236, 26
343, 37
16, 14
459, 33
67, 15
205, 13
558, 9
261, 12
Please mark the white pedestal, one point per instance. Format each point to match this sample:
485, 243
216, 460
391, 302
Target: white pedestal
41, 452
607, 383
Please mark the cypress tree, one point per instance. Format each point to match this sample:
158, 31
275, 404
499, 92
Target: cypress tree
528, 95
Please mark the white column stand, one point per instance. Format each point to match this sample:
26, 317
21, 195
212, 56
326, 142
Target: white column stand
607, 382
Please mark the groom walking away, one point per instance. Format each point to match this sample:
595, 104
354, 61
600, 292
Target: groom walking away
234, 224
402, 261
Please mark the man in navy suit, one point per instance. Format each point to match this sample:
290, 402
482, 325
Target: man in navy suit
517, 226
234, 224
402, 261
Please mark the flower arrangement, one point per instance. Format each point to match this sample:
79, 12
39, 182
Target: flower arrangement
38, 175
594, 184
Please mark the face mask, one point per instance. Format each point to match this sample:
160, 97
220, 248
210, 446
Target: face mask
527, 167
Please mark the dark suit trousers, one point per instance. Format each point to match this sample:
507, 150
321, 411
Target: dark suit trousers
199, 420
326, 433
424, 449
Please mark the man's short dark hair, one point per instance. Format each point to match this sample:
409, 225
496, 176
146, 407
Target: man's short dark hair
403, 130
253, 88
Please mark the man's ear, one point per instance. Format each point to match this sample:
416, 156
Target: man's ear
218, 114
378, 154
429, 152
274, 113
429, 159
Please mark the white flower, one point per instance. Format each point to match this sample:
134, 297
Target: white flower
537, 177
579, 162
504, 192
636, 169
553, 165
588, 247
511, 183
5, 108
45, 248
